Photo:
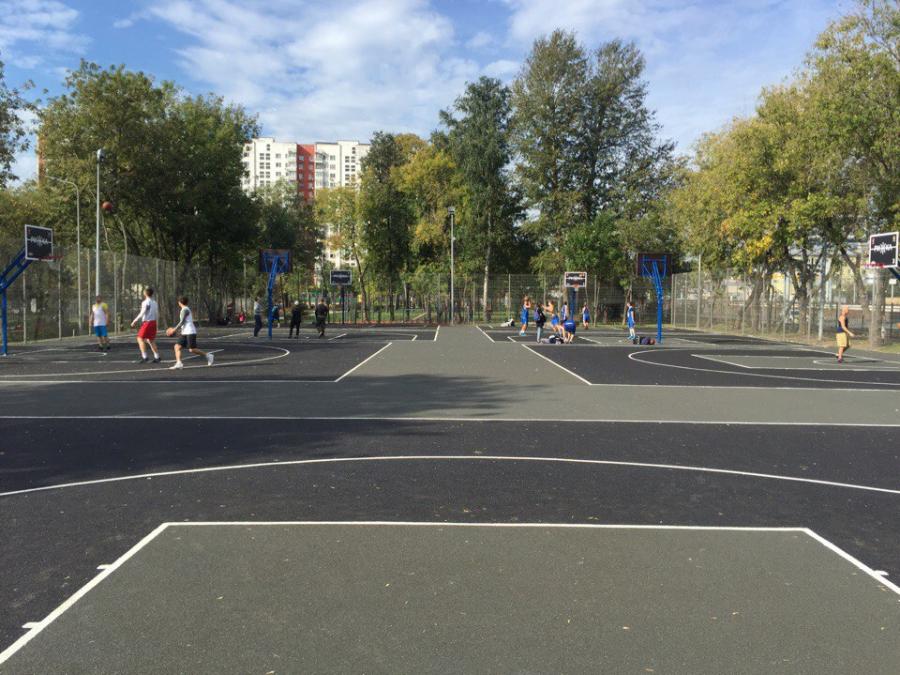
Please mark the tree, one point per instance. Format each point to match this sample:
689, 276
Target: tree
386, 213
13, 135
338, 208
478, 141
588, 153
173, 162
547, 100
286, 220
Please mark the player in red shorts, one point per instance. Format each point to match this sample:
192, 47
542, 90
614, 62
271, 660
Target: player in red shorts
148, 315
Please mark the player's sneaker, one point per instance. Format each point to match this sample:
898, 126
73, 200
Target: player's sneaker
156, 359
143, 360
521, 333
210, 358
178, 366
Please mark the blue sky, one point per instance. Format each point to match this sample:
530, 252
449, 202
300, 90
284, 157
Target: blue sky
329, 69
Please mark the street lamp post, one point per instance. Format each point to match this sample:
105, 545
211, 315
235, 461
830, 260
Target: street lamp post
77, 235
452, 211
100, 157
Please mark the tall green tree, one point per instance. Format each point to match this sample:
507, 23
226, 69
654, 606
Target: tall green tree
338, 208
479, 141
172, 167
386, 213
548, 102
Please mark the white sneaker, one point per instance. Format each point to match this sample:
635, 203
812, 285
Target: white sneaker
210, 358
178, 366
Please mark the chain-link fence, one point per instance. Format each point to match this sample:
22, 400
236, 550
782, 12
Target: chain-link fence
778, 306
51, 299
427, 299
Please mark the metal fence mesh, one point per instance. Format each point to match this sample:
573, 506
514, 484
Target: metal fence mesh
775, 307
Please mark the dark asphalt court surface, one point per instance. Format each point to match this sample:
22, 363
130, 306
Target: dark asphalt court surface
340, 598
235, 361
256, 598
685, 365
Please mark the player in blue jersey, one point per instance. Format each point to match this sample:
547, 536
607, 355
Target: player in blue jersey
629, 320
585, 317
525, 314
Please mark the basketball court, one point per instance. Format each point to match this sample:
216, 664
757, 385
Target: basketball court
398, 499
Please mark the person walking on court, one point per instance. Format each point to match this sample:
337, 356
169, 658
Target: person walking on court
148, 317
539, 320
843, 334
554, 317
629, 320
257, 316
296, 319
188, 339
585, 317
97, 320
526, 310
321, 313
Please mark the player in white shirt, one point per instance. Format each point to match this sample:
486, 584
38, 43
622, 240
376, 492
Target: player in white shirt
148, 315
188, 338
97, 320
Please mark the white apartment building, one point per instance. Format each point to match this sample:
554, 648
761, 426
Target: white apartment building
338, 164
266, 161
308, 167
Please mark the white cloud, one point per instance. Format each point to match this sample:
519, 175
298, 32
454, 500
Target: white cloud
324, 69
503, 69
32, 29
480, 40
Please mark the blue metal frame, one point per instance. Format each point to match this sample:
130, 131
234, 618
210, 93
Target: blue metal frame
10, 274
276, 263
655, 268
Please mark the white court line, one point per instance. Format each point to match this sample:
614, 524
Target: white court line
536, 353
483, 420
436, 333
35, 628
483, 333
80, 593
835, 367
456, 458
776, 377
337, 337
146, 369
363, 362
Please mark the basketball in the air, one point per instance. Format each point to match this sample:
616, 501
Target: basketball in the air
107, 207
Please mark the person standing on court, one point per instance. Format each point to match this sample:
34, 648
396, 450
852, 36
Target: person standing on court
843, 334
97, 320
257, 316
585, 317
296, 319
148, 316
188, 339
629, 320
321, 317
539, 320
526, 310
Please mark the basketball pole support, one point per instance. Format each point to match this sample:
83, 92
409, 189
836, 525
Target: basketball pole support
652, 270
10, 274
276, 265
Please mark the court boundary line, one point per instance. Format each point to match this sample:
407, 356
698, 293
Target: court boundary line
38, 627
454, 458
485, 334
888, 385
428, 418
563, 368
723, 359
227, 364
363, 362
